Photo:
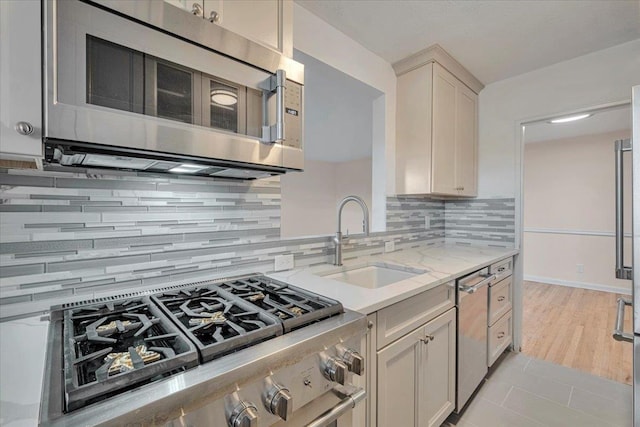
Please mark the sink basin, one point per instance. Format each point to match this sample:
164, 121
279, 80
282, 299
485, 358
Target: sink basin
373, 276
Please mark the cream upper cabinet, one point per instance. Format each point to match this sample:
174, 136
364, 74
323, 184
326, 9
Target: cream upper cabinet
20, 80
416, 375
269, 22
436, 126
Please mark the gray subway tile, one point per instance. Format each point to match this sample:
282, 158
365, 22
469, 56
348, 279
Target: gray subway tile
124, 242
45, 246
25, 180
40, 296
21, 270
107, 184
20, 208
95, 263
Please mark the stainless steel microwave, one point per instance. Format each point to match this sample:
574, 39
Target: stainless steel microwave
144, 85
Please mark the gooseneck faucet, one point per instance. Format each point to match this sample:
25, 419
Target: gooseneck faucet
338, 239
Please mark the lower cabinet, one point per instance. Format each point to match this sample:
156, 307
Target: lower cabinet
416, 375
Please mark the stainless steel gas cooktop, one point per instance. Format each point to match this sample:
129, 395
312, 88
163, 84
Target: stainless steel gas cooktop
103, 351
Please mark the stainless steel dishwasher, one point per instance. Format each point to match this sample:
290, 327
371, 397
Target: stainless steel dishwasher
472, 302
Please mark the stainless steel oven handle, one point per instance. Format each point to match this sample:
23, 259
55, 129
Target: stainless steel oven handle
275, 84
622, 272
618, 332
471, 289
347, 404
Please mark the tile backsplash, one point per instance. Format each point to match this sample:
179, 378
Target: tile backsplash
76, 235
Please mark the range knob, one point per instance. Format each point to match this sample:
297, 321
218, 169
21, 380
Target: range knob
354, 361
245, 414
335, 370
278, 401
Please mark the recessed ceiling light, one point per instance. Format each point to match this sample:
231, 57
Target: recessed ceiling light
571, 118
187, 168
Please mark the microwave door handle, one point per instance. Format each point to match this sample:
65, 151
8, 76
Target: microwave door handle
622, 272
274, 85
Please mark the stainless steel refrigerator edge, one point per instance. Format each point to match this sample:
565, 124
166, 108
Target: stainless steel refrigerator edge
635, 291
623, 271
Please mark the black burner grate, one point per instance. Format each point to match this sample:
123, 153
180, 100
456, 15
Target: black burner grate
217, 322
293, 306
112, 346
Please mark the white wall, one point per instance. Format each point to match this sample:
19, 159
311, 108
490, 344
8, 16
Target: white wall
569, 211
598, 78
317, 38
309, 199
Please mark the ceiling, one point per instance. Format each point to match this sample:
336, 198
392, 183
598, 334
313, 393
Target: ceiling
611, 120
494, 40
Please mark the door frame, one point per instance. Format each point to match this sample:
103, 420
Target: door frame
519, 129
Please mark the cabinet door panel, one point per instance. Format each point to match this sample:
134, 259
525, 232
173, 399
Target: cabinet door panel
438, 397
399, 382
256, 20
444, 132
20, 78
413, 127
466, 140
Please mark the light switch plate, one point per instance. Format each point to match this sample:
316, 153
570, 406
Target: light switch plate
389, 246
283, 262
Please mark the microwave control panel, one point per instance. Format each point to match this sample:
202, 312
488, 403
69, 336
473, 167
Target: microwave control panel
293, 115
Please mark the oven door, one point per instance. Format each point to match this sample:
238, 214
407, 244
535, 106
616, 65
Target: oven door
115, 82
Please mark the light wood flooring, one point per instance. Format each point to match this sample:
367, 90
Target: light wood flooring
572, 327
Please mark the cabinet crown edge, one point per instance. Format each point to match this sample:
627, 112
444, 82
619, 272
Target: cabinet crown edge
435, 53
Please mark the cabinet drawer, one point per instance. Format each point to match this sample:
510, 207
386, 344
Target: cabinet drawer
403, 317
499, 300
502, 268
500, 337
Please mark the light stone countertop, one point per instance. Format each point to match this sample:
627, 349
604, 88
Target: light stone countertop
23, 344
442, 262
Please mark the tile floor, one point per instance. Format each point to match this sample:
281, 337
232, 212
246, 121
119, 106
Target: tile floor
527, 392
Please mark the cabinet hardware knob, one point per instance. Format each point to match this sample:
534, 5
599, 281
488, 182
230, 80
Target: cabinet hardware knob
24, 128
197, 10
501, 298
214, 17
370, 325
427, 339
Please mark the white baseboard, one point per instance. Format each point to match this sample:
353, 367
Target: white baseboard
582, 285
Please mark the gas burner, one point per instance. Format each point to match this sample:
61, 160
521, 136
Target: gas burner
293, 306
216, 318
216, 321
112, 346
127, 361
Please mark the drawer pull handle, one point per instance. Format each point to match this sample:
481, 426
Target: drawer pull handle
500, 335
501, 298
501, 269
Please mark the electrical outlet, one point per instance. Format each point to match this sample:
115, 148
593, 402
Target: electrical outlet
427, 222
389, 246
283, 262
580, 268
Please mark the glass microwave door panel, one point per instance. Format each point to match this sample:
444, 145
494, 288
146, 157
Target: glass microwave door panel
224, 103
115, 76
174, 93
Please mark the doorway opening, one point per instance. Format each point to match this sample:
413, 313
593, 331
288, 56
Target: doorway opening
570, 291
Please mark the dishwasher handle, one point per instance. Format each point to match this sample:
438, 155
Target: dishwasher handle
488, 280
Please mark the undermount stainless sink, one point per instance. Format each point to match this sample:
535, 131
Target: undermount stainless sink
374, 275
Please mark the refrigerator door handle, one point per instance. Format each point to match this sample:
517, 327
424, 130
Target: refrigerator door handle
622, 272
618, 332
